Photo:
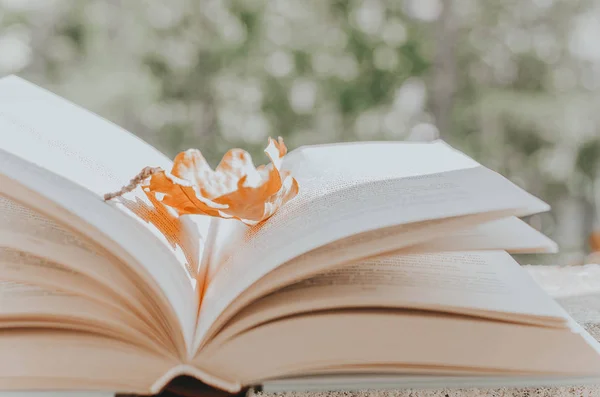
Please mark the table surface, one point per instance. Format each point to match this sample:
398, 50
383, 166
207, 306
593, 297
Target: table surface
576, 288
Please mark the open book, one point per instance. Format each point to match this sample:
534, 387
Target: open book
392, 261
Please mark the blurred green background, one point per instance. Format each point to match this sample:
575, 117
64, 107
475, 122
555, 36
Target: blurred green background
515, 84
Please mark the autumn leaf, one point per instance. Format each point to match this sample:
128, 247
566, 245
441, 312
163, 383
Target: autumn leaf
235, 189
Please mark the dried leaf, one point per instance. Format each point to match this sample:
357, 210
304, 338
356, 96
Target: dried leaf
235, 189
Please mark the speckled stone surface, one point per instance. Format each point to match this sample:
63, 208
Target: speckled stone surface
576, 288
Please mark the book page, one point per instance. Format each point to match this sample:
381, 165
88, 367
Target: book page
61, 159
17, 219
23, 267
30, 231
345, 251
368, 161
400, 342
326, 169
324, 213
70, 362
70, 141
28, 306
38, 250
510, 234
486, 280
487, 284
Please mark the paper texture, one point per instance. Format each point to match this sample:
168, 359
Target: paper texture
69, 157
510, 234
38, 250
389, 341
369, 161
325, 213
18, 219
69, 141
485, 281
73, 143
46, 311
486, 284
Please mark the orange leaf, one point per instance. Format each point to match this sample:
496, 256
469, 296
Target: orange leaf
235, 189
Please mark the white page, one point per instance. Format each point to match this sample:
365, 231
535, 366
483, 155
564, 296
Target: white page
86, 149
486, 284
374, 160
67, 140
340, 253
40, 134
66, 260
36, 308
459, 282
345, 199
510, 234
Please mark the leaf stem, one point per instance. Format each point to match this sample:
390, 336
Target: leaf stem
134, 182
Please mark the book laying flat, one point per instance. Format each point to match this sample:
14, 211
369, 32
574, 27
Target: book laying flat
391, 266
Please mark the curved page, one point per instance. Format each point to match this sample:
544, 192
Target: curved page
484, 284
61, 360
309, 344
325, 212
59, 159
